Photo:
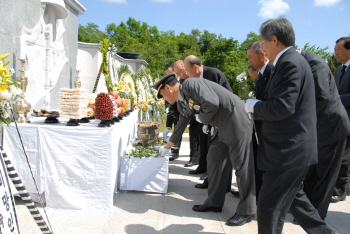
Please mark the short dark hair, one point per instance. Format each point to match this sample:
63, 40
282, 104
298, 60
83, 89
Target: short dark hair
346, 43
170, 65
194, 61
280, 28
256, 46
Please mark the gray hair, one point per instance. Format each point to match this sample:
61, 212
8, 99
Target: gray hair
256, 46
280, 28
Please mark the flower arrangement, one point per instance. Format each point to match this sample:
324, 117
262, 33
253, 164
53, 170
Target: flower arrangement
244, 90
9, 91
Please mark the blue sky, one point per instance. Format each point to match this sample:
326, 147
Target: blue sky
319, 22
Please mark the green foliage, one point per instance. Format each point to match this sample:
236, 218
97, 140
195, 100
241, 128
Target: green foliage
333, 63
317, 50
105, 43
90, 33
163, 48
123, 69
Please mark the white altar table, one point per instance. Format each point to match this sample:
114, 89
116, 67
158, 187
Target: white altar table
76, 166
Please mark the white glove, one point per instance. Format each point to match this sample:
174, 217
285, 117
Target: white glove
197, 119
165, 133
205, 129
249, 105
212, 131
167, 110
188, 125
163, 151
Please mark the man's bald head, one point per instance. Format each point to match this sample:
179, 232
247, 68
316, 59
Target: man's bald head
193, 66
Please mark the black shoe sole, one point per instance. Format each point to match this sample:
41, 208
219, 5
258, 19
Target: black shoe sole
213, 209
248, 220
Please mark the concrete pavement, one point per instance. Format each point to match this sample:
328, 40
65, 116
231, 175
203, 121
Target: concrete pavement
171, 213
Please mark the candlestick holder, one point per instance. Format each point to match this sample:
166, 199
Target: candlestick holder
77, 80
22, 107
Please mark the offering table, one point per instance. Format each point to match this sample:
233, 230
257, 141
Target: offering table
76, 167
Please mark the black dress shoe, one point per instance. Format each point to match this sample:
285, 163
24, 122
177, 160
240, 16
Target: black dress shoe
204, 208
196, 172
234, 193
335, 199
175, 156
239, 220
201, 186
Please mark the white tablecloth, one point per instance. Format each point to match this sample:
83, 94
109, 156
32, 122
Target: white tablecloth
76, 166
144, 174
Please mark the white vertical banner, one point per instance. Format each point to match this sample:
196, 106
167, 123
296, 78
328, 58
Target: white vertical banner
8, 216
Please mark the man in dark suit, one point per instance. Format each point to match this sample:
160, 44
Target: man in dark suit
342, 80
333, 127
180, 72
288, 142
195, 69
257, 58
231, 143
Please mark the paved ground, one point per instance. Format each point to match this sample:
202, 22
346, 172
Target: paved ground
171, 213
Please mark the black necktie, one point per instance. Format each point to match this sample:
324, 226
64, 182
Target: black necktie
260, 75
342, 73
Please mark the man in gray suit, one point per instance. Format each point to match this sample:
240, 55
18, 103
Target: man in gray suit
288, 142
333, 128
231, 141
342, 80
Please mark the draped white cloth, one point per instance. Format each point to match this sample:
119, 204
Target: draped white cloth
76, 166
144, 174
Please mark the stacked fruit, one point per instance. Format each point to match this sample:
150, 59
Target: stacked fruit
103, 107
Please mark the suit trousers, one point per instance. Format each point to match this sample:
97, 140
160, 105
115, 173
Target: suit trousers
258, 173
219, 158
280, 192
203, 148
194, 141
343, 179
321, 177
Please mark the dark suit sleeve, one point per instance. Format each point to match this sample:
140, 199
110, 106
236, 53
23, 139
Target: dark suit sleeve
179, 129
322, 76
284, 97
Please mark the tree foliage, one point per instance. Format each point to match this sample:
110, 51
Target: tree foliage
160, 49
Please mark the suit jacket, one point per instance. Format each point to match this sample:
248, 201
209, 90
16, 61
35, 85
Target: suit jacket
259, 91
209, 73
215, 105
288, 113
332, 120
344, 87
215, 75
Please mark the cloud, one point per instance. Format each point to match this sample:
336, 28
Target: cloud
272, 8
326, 3
116, 1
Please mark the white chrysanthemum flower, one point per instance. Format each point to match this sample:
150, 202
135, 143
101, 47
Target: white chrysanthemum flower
6, 95
250, 94
241, 77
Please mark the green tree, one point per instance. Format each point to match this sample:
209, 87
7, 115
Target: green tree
90, 33
318, 50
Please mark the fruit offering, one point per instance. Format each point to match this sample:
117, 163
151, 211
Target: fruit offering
103, 107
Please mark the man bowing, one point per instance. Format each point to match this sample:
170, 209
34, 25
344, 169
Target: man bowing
212, 104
